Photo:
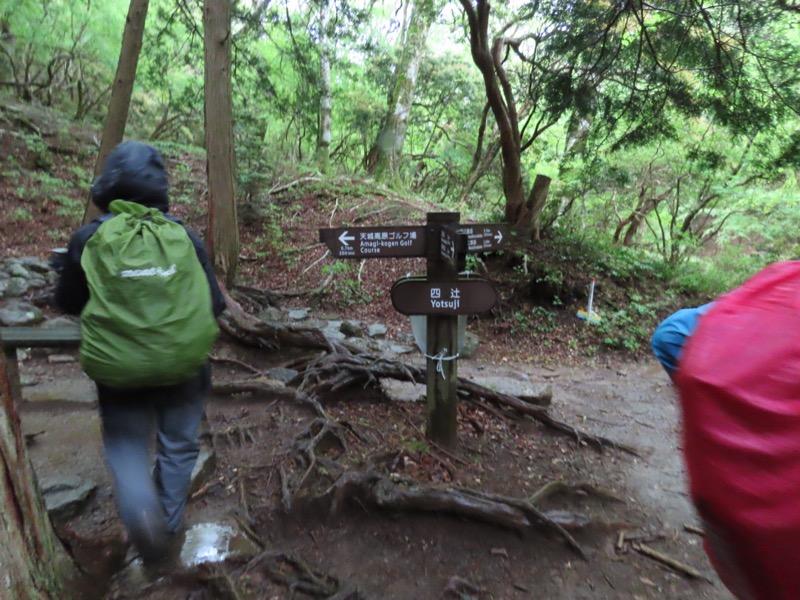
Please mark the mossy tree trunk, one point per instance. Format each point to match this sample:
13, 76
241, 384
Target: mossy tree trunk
33, 563
223, 228
325, 101
384, 157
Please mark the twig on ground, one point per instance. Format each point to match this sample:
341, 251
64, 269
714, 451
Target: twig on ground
205, 489
233, 361
694, 529
669, 561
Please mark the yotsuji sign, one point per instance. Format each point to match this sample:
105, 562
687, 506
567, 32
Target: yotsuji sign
418, 296
374, 242
440, 294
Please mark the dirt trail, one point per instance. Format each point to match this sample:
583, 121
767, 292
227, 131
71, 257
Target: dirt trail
422, 556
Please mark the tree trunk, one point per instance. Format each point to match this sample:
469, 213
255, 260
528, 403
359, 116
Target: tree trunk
536, 202
482, 159
501, 100
120, 102
325, 102
646, 204
384, 157
223, 228
34, 563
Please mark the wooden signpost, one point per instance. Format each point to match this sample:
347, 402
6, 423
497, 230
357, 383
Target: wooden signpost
442, 295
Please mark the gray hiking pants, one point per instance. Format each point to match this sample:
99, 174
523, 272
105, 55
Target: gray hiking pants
152, 498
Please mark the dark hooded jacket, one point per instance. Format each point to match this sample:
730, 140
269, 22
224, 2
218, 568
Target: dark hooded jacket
135, 172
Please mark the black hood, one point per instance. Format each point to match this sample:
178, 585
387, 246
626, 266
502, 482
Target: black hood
135, 172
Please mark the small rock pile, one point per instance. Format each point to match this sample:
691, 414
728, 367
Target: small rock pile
20, 279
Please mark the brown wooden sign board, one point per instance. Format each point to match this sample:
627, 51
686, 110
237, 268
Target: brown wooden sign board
374, 242
452, 243
418, 296
484, 237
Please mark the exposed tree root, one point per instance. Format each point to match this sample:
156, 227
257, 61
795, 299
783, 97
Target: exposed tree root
371, 488
253, 331
333, 372
305, 448
271, 389
291, 572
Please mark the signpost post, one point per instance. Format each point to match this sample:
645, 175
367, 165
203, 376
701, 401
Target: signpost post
441, 295
442, 336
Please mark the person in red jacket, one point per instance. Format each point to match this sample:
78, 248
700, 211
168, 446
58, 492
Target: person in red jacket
736, 368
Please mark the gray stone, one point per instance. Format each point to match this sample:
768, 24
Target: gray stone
403, 391
298, 314
336, 336
35, 264
3, 287
315, 324
352, 328
37, 281
398, 349
470, 345
272, 314
15, 269
16, 287
366, 345
282, 374
65, 496
376, 330
20, 312
540, 394
28, 380
406, 338
61, 321
334, 325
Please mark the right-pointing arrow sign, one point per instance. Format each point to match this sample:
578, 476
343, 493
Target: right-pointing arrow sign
484, 237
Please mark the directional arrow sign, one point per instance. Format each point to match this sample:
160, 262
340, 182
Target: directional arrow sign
374, 242
415, 296
484, 237
344, 238
452, 242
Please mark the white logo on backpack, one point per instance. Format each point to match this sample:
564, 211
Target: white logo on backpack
151, 272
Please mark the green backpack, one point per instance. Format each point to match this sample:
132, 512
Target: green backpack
149, 320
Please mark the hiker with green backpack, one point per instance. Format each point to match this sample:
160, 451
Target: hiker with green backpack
148, 300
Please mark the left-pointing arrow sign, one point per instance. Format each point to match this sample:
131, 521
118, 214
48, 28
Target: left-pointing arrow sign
374, 242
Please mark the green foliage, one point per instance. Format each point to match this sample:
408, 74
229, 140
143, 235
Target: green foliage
19, 214
60, 51
537, 320
415, 445
342, 277
38, 151
597, 256
628, 329
730, 269
710, 167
